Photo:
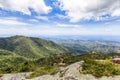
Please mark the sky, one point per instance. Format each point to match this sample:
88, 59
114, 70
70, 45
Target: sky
59, 17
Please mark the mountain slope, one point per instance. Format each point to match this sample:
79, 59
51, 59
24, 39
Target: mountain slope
84, 46
31, 47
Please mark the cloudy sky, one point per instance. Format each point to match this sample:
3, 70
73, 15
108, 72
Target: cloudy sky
59, 17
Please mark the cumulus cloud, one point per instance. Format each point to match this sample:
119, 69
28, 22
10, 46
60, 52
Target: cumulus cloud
78, 10
38, 6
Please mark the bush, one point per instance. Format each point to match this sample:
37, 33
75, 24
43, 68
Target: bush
25, 67
8, 69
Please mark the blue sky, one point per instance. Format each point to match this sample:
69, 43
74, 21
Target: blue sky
59, 17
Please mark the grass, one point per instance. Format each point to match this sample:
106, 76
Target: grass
100, 68
44, 70
1, 75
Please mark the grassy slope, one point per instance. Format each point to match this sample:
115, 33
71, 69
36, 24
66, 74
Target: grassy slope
100, 68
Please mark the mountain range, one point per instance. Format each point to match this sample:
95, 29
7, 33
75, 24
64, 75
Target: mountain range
30, 47
85, 46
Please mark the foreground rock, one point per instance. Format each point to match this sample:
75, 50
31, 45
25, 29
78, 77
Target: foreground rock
71, 72
17, 76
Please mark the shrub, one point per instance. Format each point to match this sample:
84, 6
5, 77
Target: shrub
8, 69
25, 67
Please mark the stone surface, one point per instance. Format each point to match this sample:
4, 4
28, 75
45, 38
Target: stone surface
16, 76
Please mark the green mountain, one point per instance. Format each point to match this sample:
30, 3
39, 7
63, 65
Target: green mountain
29, 47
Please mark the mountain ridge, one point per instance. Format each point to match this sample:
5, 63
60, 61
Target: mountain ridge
85, 46
31, 47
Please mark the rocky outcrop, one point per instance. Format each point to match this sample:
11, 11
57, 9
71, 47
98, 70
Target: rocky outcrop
71, 72
16, 76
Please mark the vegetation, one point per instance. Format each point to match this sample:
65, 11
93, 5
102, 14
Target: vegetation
1, 75
75, 58
13, 64
47, 69
30, 47
100, 68
25, 54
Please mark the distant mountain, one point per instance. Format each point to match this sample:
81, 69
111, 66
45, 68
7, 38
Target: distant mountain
83, 37
29, 47
84, 46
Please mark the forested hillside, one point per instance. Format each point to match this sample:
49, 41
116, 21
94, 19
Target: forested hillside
30, 47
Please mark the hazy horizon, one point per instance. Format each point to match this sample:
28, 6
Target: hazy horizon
73, 37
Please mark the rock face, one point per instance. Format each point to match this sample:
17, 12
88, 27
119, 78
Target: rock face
71, 72
17, 76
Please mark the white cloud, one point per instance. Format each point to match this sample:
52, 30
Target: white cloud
42, 18
11, 22
38, 6
33, 20
67, 25
55, 30
78, 10
61, 16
